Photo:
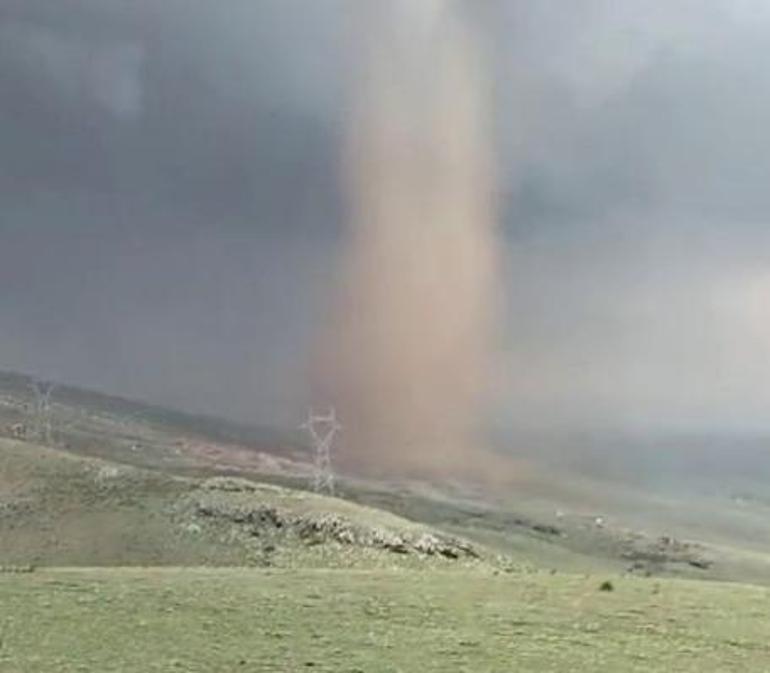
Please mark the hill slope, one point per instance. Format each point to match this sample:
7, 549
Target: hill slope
60, 509
551, 516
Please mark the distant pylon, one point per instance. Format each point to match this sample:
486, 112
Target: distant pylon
41, 410
322, 429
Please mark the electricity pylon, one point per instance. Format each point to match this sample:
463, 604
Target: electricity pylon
41, 410
322, 429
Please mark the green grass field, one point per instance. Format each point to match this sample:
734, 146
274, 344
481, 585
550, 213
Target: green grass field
143, 620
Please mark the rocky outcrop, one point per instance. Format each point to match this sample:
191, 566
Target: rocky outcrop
252, 509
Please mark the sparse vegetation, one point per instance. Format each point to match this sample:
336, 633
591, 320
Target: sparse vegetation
58, 509
210, 621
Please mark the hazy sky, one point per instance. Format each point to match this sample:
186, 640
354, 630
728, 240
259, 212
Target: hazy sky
170, 207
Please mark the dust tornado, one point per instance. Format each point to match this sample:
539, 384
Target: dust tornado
408, 359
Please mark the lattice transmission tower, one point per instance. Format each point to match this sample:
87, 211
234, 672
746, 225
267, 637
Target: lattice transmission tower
42, 426
322, 429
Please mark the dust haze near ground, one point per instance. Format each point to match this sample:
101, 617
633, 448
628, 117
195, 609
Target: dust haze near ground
408, 358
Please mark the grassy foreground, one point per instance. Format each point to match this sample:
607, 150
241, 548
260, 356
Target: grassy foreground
144, 620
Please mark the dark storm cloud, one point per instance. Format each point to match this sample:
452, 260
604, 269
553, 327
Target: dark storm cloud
168, 190
170, 205
181, 102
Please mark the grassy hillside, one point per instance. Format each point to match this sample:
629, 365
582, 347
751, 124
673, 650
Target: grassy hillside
15, 387
60, 509
138, 621
552, 516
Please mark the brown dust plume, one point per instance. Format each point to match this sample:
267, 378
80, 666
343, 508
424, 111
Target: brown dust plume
407, 360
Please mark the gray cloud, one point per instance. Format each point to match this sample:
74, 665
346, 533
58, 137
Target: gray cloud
76, 71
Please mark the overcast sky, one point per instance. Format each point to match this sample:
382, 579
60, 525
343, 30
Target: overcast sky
170, 207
